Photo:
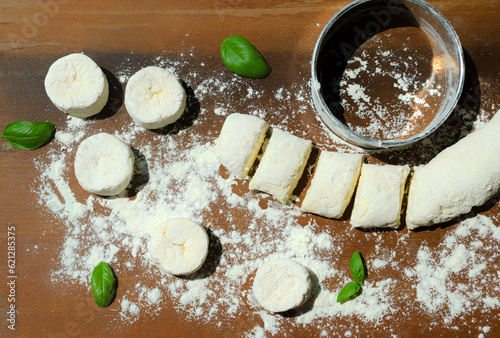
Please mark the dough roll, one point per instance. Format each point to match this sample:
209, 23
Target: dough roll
462, 176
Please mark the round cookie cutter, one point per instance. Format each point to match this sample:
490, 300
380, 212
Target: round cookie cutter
363, 19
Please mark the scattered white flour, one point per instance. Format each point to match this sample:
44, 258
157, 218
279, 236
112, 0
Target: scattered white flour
361, 96
449, 279
178, 175
356, 92
220, 111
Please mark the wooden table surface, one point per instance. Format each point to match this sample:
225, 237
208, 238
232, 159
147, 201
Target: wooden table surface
34, 34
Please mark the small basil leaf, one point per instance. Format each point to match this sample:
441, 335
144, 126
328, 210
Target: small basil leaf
242, 58
103, 284
26, 135
357, 268
348, 291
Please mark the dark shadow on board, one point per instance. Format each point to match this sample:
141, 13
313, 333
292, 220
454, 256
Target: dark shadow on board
188, 117
309, 304
212, 261
115, 98
141, 174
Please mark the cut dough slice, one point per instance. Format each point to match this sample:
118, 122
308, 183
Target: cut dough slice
465, 175
76, 85
104, 164
379, 196
179, 246
282, 285
239, 143
282, 165
154, 98
333, 184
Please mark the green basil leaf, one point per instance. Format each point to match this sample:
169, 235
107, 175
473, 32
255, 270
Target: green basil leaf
242, 58
348, 291
103, 284
26, 135
357, 268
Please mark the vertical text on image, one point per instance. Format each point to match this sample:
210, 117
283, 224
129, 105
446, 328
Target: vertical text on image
11, 277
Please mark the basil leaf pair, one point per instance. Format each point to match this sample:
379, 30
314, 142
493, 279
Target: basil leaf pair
103, 284
26, 135
242, 58
359, 274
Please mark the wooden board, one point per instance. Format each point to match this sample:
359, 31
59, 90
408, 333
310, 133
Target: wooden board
128, 35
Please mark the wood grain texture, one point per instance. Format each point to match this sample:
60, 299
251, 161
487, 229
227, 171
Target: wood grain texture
33, 34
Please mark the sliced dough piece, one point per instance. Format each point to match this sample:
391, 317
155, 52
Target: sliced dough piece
282, 285
282, 165
76, 85
179, 246
465, 175
333, 184
239, 143
104, 164
379, 196
154, 98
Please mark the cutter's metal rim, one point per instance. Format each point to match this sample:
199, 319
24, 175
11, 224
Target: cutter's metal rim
344, 131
